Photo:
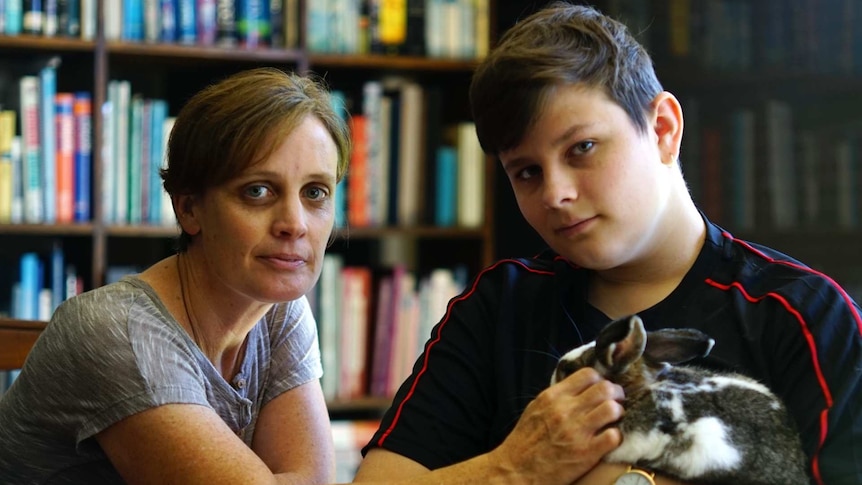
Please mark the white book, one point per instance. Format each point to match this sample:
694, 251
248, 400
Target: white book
328, 322
121, 120
411, 157
31, 151
471, 177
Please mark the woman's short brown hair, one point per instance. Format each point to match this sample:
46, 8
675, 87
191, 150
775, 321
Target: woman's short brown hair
239, 121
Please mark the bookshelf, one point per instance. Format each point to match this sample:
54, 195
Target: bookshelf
100, 247
724, 57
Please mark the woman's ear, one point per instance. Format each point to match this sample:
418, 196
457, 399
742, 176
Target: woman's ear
184, 208
667, 124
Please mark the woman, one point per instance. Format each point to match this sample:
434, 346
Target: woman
204, 368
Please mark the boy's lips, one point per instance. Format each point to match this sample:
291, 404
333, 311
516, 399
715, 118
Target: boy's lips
574, 226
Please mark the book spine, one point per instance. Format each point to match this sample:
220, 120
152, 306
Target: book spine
252, 23
186, 22
14, 17
133, 20
152, 20
168, 20
159, 112
65, 156
49, 18
205, 21
135, 166
7, 134
47, 138
226, 23
30, 147
33, 17
83, 111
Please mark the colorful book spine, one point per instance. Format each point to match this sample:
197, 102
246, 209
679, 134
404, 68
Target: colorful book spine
186, 22
7, 134
135, 152
446, 185
14, 17
205, 22
28, 287
133, 20
65, 157
83, 112
226, 23
252, 22
159, 112
168, 20
47, 138
33, 17
30, 150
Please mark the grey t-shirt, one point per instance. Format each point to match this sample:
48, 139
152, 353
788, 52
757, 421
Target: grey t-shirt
116, 351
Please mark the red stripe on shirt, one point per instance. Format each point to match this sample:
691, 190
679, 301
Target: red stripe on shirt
827, 395
437, 339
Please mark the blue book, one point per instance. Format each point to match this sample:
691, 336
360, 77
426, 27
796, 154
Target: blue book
83, 109
14, 13
168, 14
133, 20
339, 105
27, 305
159, 113
446, 191
58, 275
252, 22
186, 20
47, 136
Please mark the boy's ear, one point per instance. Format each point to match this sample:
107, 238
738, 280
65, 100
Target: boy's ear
667, 123
184, 208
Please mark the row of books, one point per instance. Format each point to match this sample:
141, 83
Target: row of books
134, 144
761, 169
226, 23
40, 281
373, 324
433, 28
406, 167
818, 36
45, 167
49, 18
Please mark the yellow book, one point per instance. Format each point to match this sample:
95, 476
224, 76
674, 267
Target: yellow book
7, 132
392, 22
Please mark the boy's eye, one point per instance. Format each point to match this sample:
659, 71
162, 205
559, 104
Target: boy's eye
527, 173
582, 147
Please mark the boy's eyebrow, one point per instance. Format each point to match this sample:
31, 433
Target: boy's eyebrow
563, 138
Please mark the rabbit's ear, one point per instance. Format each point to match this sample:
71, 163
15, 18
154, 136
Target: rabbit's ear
677, 345
621, 343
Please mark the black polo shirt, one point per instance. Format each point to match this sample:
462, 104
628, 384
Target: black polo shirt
774, 319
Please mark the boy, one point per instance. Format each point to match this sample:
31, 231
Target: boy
570, 104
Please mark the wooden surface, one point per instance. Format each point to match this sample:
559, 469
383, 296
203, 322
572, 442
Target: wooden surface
16, 339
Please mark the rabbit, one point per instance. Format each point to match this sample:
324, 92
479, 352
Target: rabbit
690, 423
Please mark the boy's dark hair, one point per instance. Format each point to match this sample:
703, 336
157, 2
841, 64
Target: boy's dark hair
561, 44
240, 121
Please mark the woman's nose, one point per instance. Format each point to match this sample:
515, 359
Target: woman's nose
290, 218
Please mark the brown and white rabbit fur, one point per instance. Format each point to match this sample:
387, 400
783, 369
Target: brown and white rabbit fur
686, 422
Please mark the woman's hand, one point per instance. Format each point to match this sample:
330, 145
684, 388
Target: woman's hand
565, 431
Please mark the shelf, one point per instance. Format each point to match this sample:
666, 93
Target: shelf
429, 232
82, 229
39, 43
401, 63
142, 231
211, 53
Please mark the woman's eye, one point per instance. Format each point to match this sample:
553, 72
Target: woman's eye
316, 193
257, 191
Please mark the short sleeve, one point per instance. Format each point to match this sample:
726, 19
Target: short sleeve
295, 357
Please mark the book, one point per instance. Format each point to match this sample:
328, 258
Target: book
226, 23
7, 181
31, 151
82, 111
353, 335
329, 321
47, 138
65, 157
471, 176
446, 186
357, 179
